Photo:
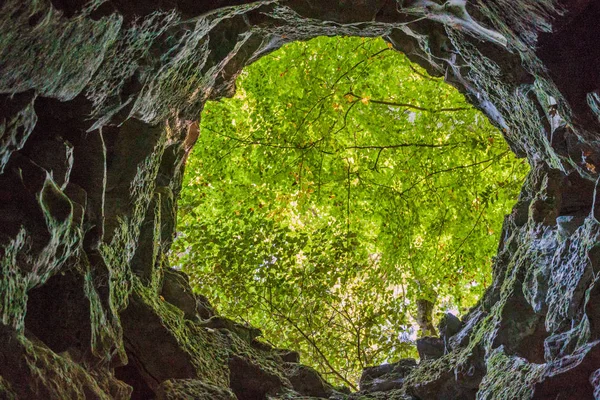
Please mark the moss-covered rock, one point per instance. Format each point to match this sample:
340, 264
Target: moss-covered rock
98, 102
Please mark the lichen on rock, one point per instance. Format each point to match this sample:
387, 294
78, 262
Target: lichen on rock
98, 100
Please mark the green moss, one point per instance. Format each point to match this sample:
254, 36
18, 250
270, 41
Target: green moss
6, 391
56, 206
107, 333
15, 131
207, 350
13, 284
509, 377
73, 49
122, 59
56, 377
179, 389
120, 251
25, 263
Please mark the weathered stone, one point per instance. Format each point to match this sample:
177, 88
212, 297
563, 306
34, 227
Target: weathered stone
306, 381
249, 381
56, 157
89, 173
58, 314
449, 326
289, 356
430, 348
97, 103
31, 370
153, 349
386, 377
204, 309
177, 291
145, 262
187, 389
17, 120
248, 333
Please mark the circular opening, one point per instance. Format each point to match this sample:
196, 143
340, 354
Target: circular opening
343, 201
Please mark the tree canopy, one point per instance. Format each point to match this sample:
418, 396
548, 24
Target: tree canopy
338, 191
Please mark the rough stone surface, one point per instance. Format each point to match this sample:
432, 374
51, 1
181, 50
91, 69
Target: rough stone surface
430, 348
306, 381
98, 103
177, 291
184, 389
386, 377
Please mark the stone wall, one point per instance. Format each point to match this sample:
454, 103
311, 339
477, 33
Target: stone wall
98, 103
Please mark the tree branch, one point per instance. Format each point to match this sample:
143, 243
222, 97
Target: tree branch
345, 118
468, 234
314, 345
430, 78
356, 65
400, 145
411, 106
452, 169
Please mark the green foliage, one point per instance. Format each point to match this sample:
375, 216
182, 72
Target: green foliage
339, 186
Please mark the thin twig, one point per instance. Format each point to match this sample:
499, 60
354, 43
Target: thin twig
411, 106
356, 65
314, 345
468, 234
400, 145
431, 78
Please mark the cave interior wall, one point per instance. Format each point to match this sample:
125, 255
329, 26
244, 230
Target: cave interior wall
98, 107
